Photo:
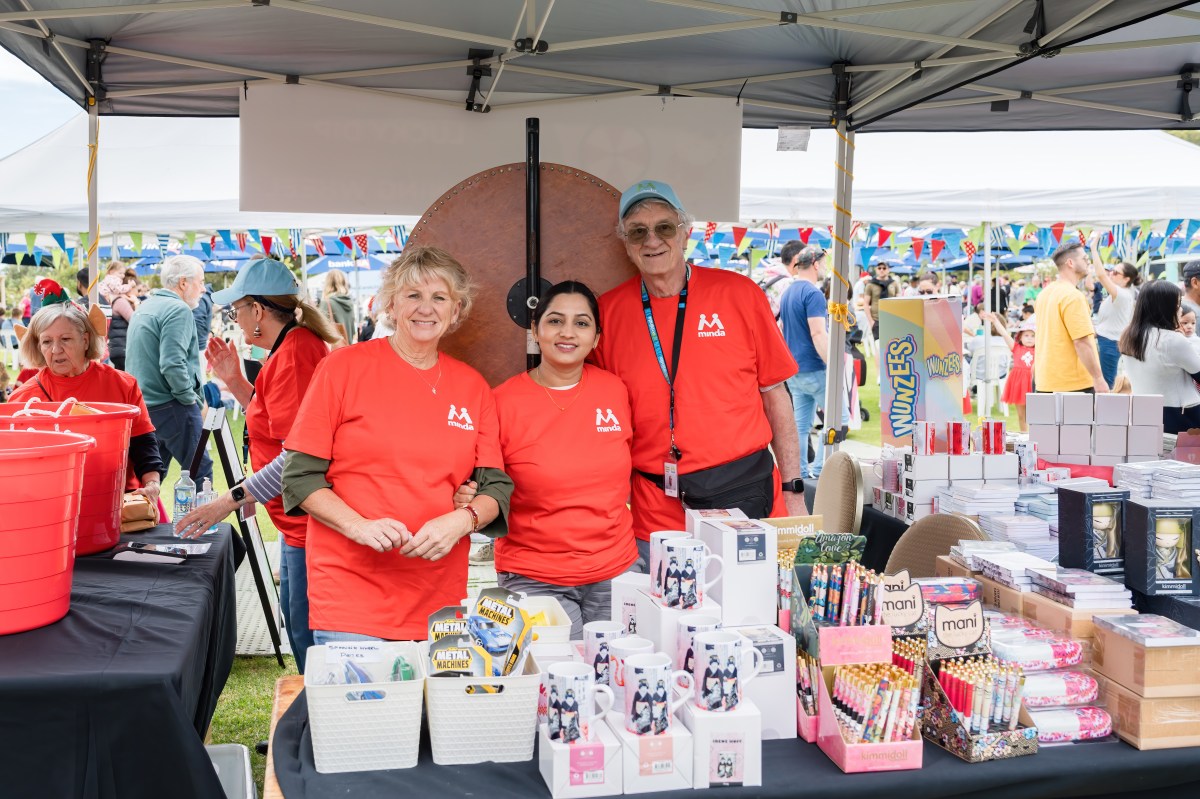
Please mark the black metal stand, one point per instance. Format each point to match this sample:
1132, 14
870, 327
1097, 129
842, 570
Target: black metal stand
533, 226
256, 552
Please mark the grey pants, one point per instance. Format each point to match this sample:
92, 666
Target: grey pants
643, 562
583, 603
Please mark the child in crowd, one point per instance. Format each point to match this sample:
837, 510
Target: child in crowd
1020, 379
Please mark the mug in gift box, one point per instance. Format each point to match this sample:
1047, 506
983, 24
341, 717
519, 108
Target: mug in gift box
687, 561
992, 435
958, 438
597, 636
725, 663
649, 684
657, 564
925, 437
573, 700
689, 625
618, 650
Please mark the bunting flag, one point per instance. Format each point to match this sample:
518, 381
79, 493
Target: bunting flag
1106, 253
30, 241
935, 248
3, 243
1016, 231
164, 240
295, 239
1057, 229
318, 244
1172, 227
969, 249
772, 237
1144, 229
953, 240
400, 236
724, 253
1029, 231
756, 256
872, 231
719, 238
805, 233
999, 239
1192, 226
918, 244
854, 228
207, 248
883, 236
1046, 240
282, 240
254, 234
241, 241
343, 235
225, 237
1016, 245
212, 243
361, 240
901, 248
84, 238
691, 247
975, 235
268, 242
189, 236
61, 240
709, 229
739, 236
1118, 238
1082, 236
865, 254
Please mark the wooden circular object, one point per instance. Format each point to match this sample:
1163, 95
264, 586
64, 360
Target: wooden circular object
481, 222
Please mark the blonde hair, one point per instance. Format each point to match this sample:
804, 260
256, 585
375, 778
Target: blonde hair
306, 316
31, 352
420, 265
336, 283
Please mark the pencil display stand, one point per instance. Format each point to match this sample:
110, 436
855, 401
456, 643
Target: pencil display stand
944, 726
859, 757
806, 725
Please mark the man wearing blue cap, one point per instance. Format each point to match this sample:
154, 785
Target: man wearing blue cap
163, 353
706, 367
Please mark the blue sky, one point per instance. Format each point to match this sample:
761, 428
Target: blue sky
32, 106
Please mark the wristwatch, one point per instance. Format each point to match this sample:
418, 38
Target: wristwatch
794, 486
238, 492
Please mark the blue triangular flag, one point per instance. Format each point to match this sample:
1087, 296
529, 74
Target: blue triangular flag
204, 245
865, 254
225, 237
61, 240
724, 253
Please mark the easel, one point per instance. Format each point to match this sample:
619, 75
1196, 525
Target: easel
256, 553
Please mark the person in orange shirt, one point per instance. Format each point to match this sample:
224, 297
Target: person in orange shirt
705, 364
565, 432
264, 302
386, 433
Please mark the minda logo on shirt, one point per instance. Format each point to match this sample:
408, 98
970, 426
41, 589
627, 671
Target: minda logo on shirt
606, 421
711, 328
460, 418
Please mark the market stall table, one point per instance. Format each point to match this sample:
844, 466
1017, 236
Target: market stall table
882, 532
113, 701
790, 768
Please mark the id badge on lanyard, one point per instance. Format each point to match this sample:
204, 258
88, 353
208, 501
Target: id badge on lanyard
671, 464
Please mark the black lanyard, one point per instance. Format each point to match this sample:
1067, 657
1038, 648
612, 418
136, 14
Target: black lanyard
37, 380
668, 374
282, 335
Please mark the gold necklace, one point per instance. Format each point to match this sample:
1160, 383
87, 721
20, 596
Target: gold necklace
550, 396
420, 373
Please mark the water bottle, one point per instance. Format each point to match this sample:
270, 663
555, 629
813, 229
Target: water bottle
185, 497
206, 496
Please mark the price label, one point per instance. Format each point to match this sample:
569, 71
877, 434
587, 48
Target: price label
587, 765
656, 756
751, 547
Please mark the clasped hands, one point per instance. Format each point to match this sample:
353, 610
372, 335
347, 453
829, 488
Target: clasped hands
433, 541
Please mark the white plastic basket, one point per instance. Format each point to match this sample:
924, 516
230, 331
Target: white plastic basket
469, 724
357, 734
559, 628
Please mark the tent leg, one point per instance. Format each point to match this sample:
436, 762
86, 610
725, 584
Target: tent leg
93, 251
835, 386
985, 402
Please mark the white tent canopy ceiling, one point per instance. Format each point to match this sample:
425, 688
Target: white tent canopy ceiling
782, 58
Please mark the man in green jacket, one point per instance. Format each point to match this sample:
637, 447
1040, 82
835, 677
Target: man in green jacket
163, 354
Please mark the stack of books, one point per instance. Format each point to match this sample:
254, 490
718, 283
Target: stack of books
971, 501
1177, 481
1137, 477
1030, 534
1014, 569
1080, 589
966, 553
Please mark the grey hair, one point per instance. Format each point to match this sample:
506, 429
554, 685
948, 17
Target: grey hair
178, 267
682, 217
47, 315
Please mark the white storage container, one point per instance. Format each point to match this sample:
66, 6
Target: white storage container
481, 719
559, 628
350, 733
232, 764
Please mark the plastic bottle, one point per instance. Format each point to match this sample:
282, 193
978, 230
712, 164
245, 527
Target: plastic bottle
185, 496
207, 495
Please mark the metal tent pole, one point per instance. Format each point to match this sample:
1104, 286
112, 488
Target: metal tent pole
93, 250
985, 403
835, 386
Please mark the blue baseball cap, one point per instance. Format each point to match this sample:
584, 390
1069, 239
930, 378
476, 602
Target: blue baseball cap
262, 277
648, 190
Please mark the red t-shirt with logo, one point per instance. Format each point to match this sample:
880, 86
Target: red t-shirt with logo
396, 450
731, 349
568, 454
278, 390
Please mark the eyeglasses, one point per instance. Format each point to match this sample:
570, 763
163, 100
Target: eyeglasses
232, 311
664, 230
922, 291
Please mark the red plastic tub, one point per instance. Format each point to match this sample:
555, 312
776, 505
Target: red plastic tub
104, 476
41, 479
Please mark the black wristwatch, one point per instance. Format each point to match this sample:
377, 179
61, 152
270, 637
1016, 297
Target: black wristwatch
238, 492
794, 486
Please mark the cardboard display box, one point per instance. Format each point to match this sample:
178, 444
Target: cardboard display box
1091, 526
661, 624
573, 771
623, 603
1076, 623
1160, 547
694, 517
1146, 671
748, 586
946, 566
859, 757
1043, 409
774, 687
1167, 723
920, 364
654, 762
1112, 409
998, 595
1078, 408
942, 725
726, 746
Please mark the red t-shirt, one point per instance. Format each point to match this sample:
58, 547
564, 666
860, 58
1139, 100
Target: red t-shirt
98, 383
568, 523
278, 390
396, 450
731, 349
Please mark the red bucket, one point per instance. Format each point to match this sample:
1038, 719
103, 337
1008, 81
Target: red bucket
104, 477
41, 478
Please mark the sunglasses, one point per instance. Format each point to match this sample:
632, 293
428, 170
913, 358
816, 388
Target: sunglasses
664, 230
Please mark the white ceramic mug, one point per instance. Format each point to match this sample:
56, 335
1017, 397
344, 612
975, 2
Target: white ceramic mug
649, 684
597, 637
573, 700
685, 573
725, 663
689, 625
618, 651
657, 564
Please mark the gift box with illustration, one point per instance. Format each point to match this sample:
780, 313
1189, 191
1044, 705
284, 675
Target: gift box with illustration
1091, 528
920, 364
1160, 553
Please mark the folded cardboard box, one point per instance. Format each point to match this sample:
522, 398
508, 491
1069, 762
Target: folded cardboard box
1166, 723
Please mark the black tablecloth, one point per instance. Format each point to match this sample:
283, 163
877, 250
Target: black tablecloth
112, 701
790, 768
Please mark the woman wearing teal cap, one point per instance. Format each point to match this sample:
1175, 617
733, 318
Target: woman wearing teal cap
264, 301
